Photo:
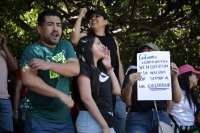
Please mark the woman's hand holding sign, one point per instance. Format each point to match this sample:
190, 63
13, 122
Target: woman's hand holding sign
174, 70
176, 89
134, 77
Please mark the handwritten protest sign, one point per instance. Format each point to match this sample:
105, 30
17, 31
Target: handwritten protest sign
155, 83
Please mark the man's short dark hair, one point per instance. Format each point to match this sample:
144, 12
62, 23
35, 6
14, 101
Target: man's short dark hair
48, 12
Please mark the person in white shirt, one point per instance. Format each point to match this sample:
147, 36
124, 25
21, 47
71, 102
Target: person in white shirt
182, 113
7, 63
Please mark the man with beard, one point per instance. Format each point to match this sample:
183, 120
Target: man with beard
46, 66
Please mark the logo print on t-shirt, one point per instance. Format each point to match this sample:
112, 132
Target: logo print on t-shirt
103, 77
59, 57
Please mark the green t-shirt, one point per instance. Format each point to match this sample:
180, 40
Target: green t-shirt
47, 108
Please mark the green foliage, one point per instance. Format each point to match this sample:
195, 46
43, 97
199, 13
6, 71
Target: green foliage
173, 25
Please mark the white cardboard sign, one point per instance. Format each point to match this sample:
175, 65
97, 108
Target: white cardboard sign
155, 83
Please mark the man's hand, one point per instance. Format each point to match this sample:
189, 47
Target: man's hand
39, 64
66, 100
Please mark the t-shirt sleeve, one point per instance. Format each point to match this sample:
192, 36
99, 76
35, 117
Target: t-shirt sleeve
127, 77
70, 53
85, 69
28, 54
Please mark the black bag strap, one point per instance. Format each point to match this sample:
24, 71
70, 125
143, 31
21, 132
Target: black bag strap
156, 110
158, 116
159, 122
174, 121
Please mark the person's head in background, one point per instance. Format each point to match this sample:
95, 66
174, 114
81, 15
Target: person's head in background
147, 47
188, 77
49, 27
188, 80
98, 21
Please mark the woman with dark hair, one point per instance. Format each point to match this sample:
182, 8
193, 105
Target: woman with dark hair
98, 22
183, 113
96, 83
142, 117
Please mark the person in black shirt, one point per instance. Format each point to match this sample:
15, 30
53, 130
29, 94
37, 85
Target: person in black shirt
142, 116
98, 21
96, 83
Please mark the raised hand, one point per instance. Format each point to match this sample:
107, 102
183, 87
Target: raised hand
106, 60
82, 12
174, 70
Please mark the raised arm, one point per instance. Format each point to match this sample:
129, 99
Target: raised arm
11, 61
116, 89
176, 89
62, 69
37, 85
121, 70
76, 35
86, 96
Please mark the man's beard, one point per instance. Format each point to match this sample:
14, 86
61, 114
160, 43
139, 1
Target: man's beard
50, 42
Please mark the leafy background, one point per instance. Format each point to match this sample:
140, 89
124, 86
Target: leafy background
172, 24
